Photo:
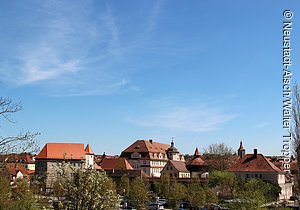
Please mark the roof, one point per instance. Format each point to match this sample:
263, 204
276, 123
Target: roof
197, 160
115, 163
254, 163
130, 173
62, 151
179, 165
14, 168
88, 150
146, 146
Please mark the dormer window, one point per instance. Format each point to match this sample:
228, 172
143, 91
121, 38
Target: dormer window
136, 155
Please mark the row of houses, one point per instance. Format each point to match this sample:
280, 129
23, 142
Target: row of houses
148, 159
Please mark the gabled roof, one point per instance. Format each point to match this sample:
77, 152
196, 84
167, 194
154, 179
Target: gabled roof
147, 146
179, 165
115, 163
88, 150
254, 163
62, 151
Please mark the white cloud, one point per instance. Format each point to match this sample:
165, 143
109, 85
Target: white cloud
192, 118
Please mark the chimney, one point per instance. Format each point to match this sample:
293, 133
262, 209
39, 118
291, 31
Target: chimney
255, 152
150, 141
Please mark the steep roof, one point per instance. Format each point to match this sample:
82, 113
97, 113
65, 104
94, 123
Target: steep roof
146, 146
254, 163
179, 165
61, 151
88, 150
197, 160
115, 163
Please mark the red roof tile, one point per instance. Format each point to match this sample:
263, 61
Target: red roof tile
62, 151
88, 150
254, 163
147, 146
115, 163
179, 165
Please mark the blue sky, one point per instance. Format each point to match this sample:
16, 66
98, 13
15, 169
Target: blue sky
110, 72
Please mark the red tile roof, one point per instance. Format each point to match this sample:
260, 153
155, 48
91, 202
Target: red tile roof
179, 165
88, 150
197, 159
115, 163
147, 146
61, 151
254, 163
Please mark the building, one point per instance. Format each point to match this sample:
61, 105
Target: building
176, 169
258, 166
197, 167
174, 154
147, 155
53, 156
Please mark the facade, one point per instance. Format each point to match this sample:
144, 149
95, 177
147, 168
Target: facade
147, 155
53, 156
258, 166
176, 169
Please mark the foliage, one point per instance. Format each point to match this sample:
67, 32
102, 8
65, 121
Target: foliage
20, 196
177, 193
165, 186
219, 149
138, 192
196, 195
224, 182
123, 186
88, 189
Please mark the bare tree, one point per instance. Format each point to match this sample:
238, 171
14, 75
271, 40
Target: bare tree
22, 142
296, 125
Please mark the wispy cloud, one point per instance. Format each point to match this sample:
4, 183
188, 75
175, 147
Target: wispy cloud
67, 51
262, 125
192, 118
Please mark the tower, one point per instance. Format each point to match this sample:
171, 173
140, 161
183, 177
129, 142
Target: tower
241, 150
89, 157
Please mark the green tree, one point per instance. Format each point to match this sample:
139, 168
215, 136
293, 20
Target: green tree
165, 186
5, 192
177, 193
224, 182
22, 196
123, 186
196, 195
138, 192
88, 189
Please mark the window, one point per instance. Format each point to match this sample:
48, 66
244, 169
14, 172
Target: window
260, 175
171, 168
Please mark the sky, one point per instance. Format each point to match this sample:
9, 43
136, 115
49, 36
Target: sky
110, 72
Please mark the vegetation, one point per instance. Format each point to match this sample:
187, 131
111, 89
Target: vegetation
138, 193
85, 189
219, 156
20, 196
24, 141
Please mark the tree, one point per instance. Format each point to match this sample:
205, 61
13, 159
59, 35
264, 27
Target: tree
165, 186
138, 192
20, 196
296, 125
86, 189
196, 195
224, 182
123, 186
177, 193
219, 156
22, 142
